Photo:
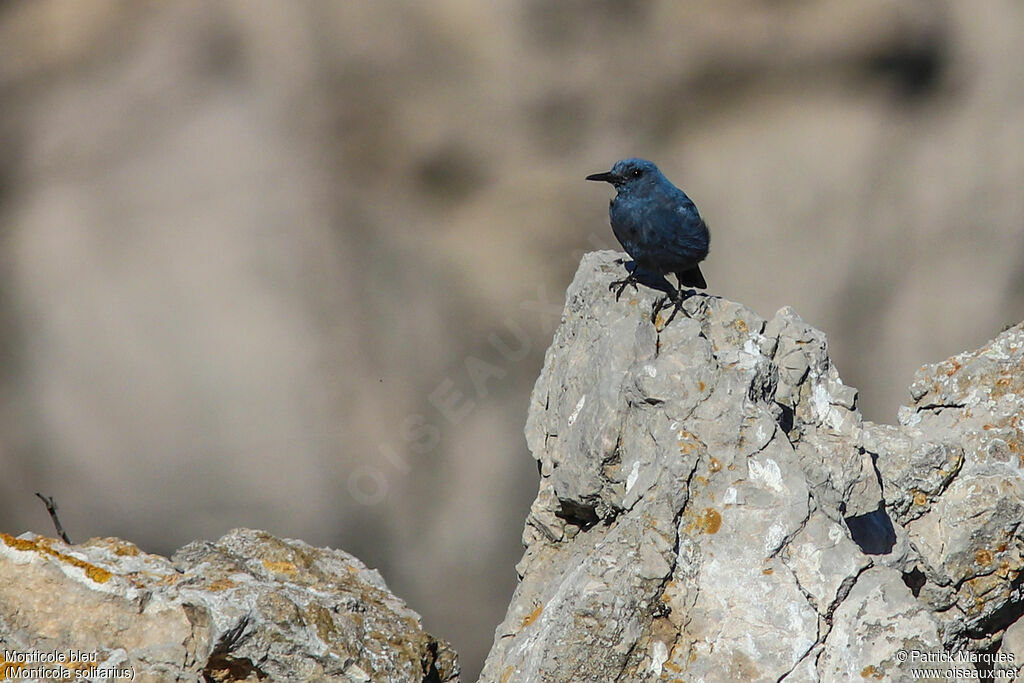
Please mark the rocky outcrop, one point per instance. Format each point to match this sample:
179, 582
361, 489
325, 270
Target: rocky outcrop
245, 608
712, 506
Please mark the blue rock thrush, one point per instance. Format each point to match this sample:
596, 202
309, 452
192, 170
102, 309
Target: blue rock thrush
659, 227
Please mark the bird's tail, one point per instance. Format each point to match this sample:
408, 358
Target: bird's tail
692, 278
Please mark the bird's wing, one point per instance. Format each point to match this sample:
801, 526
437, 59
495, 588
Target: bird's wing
679, 234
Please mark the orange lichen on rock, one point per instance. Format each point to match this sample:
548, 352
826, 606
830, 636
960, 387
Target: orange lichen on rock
42, 545
124, 548
532, 616
282, 567
710, 521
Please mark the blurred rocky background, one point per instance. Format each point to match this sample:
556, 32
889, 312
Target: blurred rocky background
294, 265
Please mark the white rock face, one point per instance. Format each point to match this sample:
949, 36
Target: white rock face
715, 512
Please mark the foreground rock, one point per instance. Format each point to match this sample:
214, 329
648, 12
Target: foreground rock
247, 607
712, 507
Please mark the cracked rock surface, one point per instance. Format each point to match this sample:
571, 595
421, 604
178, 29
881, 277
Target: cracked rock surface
712, 506
245, 608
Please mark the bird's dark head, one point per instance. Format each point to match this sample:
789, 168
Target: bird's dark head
630, 174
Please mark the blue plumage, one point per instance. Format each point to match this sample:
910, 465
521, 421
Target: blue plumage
658, 226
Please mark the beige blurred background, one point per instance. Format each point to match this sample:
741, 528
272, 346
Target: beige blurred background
294, 265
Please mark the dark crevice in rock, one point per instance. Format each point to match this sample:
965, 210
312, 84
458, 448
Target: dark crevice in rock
676, 521
915, 580
579, 514
844, 590
785, 419
429, 663
659, 606
825, 625
821, 635
766, 444
873, 531
788, 539
231, 637
878, 473
615, 457
940, 406
624, 672
808, 596
815, 646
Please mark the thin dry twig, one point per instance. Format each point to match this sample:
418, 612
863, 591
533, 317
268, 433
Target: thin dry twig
51, 507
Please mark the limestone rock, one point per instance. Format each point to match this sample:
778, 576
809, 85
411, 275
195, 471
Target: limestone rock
952, 476
247, 607
712, 506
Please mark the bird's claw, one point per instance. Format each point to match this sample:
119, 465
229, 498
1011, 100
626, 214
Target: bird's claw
621, 284
659, 305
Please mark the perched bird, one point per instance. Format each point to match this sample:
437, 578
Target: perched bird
659, 227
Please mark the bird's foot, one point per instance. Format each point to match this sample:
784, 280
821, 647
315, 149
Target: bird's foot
621, 284
675, 309
658, 306
661, 303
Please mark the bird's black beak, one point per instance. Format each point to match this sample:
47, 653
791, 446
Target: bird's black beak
607, 177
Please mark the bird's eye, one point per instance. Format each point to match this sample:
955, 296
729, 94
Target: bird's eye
637, 172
